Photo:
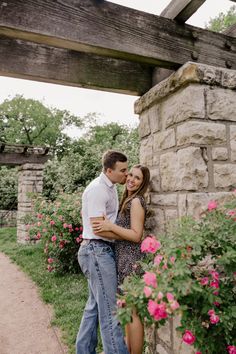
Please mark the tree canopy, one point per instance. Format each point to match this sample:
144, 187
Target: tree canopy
28, 121
224, 20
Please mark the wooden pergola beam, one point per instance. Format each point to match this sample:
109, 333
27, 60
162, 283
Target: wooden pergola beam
107, 29
15, 159
43, 63
181, 10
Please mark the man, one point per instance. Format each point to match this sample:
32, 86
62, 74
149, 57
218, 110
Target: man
96, 259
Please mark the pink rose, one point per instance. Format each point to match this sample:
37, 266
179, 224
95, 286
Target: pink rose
158, 311
214, 274
50, 260
150, 279
150, 245
65, 225
214, 319
147, 291
211, 312
214, 284
231, 349
188, 337
174, 305
198, 353
54, 238
160, 295
172, 259
52, 222
78, 239
170, 297
212, 205
204, 281
158, 259
216, 303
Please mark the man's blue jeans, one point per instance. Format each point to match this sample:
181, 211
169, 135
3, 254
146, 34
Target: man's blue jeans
96, 259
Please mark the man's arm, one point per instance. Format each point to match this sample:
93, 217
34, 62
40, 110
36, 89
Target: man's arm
137, 214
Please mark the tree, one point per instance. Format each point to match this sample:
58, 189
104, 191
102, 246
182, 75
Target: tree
83, 162
223, 21
28, 121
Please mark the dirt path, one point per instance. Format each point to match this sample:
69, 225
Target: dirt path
24, 319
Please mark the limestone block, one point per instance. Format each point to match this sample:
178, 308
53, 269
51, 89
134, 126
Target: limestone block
154, 118
160, 221
146, 151
183, 170
233, 142
144, 126
225, 175
221, 104
201, 133
219, 153
171, 215
182, 205
228, 79
156, 158
155, 184
186, 103
31, 166
166, 200
163, 140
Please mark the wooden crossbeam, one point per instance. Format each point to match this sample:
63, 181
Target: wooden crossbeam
108, 29
181, 10
43, 63
15, 159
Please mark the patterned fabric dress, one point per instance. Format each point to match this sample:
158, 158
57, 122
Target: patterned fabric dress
127, 252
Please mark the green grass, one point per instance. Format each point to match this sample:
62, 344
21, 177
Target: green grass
67, 294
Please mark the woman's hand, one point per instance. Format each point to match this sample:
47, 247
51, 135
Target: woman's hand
101, 225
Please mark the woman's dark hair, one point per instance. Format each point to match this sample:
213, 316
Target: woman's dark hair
110, 158
140, 191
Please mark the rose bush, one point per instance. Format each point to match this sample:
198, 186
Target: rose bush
58, 225
190, 271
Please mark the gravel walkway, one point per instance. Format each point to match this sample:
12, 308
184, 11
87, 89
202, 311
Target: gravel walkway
24, 319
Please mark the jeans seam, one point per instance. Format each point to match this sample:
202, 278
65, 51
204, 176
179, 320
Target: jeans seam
108, 305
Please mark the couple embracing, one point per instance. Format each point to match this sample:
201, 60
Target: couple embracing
112, 233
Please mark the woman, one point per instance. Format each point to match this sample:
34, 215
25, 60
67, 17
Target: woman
128, 231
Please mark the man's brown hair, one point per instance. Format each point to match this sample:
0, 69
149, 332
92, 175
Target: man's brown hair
110, 158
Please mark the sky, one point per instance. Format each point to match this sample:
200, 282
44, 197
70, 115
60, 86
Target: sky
111, 107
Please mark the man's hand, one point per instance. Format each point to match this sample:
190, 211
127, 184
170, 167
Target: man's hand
101, 224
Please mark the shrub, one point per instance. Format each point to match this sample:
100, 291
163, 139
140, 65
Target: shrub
58, 225
190, 271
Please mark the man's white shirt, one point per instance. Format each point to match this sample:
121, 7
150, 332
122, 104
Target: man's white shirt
99, 198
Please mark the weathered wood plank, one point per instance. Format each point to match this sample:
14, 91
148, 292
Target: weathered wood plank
107, 29
13, 159
231, 31
43, 63
181, 10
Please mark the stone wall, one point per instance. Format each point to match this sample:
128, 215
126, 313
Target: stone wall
30, 180
188, 140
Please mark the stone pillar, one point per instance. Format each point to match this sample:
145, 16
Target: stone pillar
188, 140
30, 180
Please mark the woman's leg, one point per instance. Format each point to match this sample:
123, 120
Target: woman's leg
135, 335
